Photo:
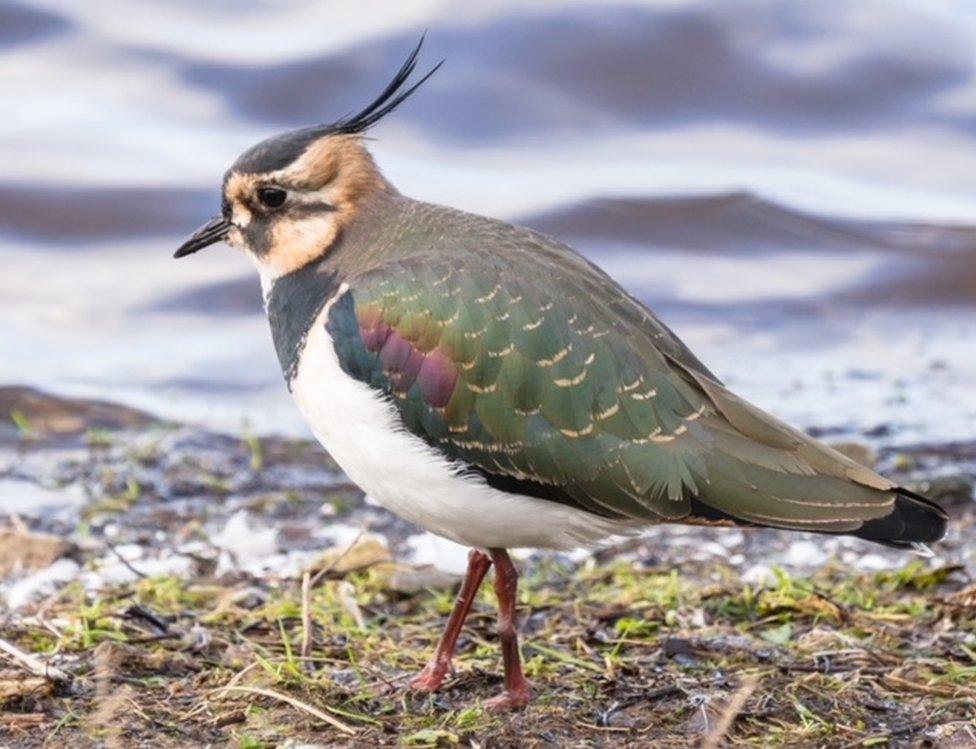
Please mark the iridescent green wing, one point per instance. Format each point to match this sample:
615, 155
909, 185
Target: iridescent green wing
545, 377
527, 380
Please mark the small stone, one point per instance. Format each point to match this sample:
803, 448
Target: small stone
858, 452
757, 574
408, 580
873, 563
244, 540
947, 490
340, 560
24, 551
805, 554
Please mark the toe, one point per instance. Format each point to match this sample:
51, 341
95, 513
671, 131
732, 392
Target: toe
430, 679
510, 699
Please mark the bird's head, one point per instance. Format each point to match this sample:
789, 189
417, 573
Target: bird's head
285, 200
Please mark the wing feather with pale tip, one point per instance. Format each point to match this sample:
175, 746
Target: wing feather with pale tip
536, 371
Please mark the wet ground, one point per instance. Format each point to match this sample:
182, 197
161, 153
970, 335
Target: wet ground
175, 499
148, 559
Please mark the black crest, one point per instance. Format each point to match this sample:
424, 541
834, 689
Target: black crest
388, 100
279, 151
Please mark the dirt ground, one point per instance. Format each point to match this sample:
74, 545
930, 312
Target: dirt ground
136, 611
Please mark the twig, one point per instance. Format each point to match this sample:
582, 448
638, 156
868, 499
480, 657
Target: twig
139, 611
342, 555
22, 720
640, 698
955, 690
296, 703
830, 670
345, 592
565, 657
33, 664
893, 733
608, 729
714, 738
241, 674
229, 719
308, 584
126, 563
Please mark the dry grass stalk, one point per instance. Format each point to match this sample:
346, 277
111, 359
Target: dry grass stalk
738, 701
105, 721
32, 663
294, 702
308, 584
21, 720
346, 595
306, 648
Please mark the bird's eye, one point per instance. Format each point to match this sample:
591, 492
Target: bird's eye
272, 197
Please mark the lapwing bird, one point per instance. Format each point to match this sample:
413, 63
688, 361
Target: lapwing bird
492, 386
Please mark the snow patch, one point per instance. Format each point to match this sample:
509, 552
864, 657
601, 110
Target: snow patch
42, 583
447, 556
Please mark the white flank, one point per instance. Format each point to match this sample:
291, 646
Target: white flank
362, 431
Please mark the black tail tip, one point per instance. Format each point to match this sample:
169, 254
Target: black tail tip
914, 520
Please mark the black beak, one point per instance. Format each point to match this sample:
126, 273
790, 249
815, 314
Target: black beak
210, 233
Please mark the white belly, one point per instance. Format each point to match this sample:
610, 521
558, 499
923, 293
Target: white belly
362, 431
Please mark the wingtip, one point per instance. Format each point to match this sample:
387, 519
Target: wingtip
922, 550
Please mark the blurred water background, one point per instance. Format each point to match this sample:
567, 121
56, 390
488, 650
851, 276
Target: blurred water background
790, 185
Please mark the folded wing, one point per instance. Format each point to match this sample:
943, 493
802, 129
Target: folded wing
554, 382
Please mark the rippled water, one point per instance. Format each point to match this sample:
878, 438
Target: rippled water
790, 185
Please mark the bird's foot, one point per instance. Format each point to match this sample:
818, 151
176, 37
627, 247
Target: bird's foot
511, 698
430, 678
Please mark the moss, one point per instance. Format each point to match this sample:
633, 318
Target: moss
23, 424
617, 656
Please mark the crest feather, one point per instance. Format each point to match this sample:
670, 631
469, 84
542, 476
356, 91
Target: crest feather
388, 100
279, 151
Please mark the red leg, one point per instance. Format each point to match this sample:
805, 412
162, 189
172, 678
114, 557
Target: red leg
517, 689
431, 677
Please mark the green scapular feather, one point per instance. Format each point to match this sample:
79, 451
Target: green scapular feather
528, 364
